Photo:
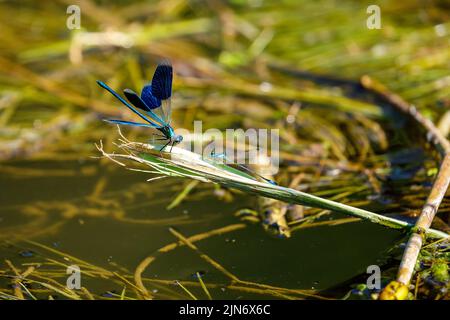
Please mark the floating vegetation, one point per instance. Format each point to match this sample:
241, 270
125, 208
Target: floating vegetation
181, 163
45, 278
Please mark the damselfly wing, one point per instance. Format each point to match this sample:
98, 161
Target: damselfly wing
155, 102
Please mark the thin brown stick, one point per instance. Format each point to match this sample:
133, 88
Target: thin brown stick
234, 279
429, 210
204, 256
16, 281
275, 291
433, 133
440, 185
87, 293
147, 261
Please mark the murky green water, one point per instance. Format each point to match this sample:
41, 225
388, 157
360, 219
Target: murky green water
316, 258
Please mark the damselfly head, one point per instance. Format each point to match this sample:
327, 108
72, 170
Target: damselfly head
177, 139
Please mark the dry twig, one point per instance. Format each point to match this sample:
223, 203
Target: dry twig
434, 199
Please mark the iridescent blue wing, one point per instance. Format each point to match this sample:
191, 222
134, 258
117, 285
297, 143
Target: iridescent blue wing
148, 98
161, 87
136, 101
153, 103
157, 123
162, 81
139, 103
